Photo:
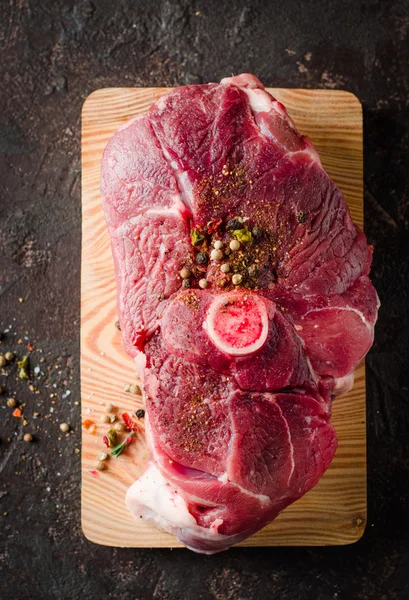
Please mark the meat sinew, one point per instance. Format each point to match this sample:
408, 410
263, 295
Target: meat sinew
241, 358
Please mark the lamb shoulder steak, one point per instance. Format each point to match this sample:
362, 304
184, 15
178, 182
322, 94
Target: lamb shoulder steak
243, 295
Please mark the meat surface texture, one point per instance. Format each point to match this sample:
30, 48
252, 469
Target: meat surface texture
243, 295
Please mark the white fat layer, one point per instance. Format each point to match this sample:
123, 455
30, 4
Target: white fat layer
161, 104
140, 364
152, 498
184, 185
309, 151
176, 209
343, 384
263, 499
262, 102
259, 100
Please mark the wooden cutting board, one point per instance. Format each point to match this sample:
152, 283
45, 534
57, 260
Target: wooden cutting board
334, 512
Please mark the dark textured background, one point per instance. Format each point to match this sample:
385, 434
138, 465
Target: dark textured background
52, 55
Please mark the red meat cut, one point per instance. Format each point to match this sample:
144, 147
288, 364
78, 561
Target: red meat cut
243, 295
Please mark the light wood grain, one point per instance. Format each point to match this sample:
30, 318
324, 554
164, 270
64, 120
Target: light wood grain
334, 512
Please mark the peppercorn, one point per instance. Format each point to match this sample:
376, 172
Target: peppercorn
216, 254
234, 224
196, 237
100, 466
9, 356
186, 283
218, 245
28, 437
257, 232
11, 403
64, 427
237, 279
203, 283
3, 361
119, 427
134, 389
105, 419
225, 268
234, 245
109, 407
185, 273
253, 270
202, 258
140, 413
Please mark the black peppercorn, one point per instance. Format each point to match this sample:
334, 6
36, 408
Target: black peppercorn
186, 283
234, 224
257, 232
140, 413
202, 258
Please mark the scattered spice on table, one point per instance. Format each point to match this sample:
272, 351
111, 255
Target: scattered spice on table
117, 451
110, 439
89, 425
129, 424
23, 366
132, 388
140, 413
17, 413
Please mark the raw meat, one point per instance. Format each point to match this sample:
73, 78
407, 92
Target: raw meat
239, 371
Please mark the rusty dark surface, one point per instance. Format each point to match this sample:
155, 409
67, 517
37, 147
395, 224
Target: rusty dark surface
53, 54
